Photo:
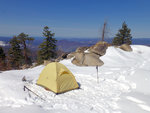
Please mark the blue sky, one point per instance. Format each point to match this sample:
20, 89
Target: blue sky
74, 18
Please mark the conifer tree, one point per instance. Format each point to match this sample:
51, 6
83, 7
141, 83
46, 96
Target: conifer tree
47, 47
23, 40
2, 59
123, 36
15, 53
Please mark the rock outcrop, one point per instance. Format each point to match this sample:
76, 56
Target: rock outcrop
47, 62
126, 47
71, 55
63, 56
81, 49
79, 58
99, 48
87, 59
90, 58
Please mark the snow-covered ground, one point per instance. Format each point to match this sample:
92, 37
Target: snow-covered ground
123, 87
2, 43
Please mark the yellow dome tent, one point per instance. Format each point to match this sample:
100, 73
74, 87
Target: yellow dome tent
57, 78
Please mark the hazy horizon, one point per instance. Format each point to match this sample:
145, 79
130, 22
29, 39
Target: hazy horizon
75, 37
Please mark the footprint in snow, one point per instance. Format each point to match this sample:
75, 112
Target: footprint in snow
140, 103
144, 107
135, 100
107, 73
132, 72
115, 69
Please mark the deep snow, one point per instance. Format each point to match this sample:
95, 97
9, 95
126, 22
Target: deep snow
123, 87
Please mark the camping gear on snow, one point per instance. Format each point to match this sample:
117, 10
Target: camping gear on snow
57, 78
25, 87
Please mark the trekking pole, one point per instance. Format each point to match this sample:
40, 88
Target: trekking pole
97, 74
32, 92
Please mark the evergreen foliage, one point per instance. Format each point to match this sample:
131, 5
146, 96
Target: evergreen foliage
2, 59
23, 40
47, 47
15, 53
123, 36
2, 54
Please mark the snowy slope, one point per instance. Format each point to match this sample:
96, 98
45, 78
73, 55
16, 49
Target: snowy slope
122, 87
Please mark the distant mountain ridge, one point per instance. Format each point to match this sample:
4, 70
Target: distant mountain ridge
70, 44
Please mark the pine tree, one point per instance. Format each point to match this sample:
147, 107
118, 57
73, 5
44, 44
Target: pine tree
15, 53
48, 47
123, 36
23, 39
2, 59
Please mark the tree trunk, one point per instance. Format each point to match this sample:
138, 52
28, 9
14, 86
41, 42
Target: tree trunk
25, 52
103, 33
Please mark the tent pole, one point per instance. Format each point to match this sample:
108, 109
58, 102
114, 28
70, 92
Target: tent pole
97, 74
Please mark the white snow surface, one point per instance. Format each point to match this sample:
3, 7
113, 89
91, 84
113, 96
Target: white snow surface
123, 86
2, 43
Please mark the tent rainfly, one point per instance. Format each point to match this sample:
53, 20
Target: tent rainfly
57, 78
